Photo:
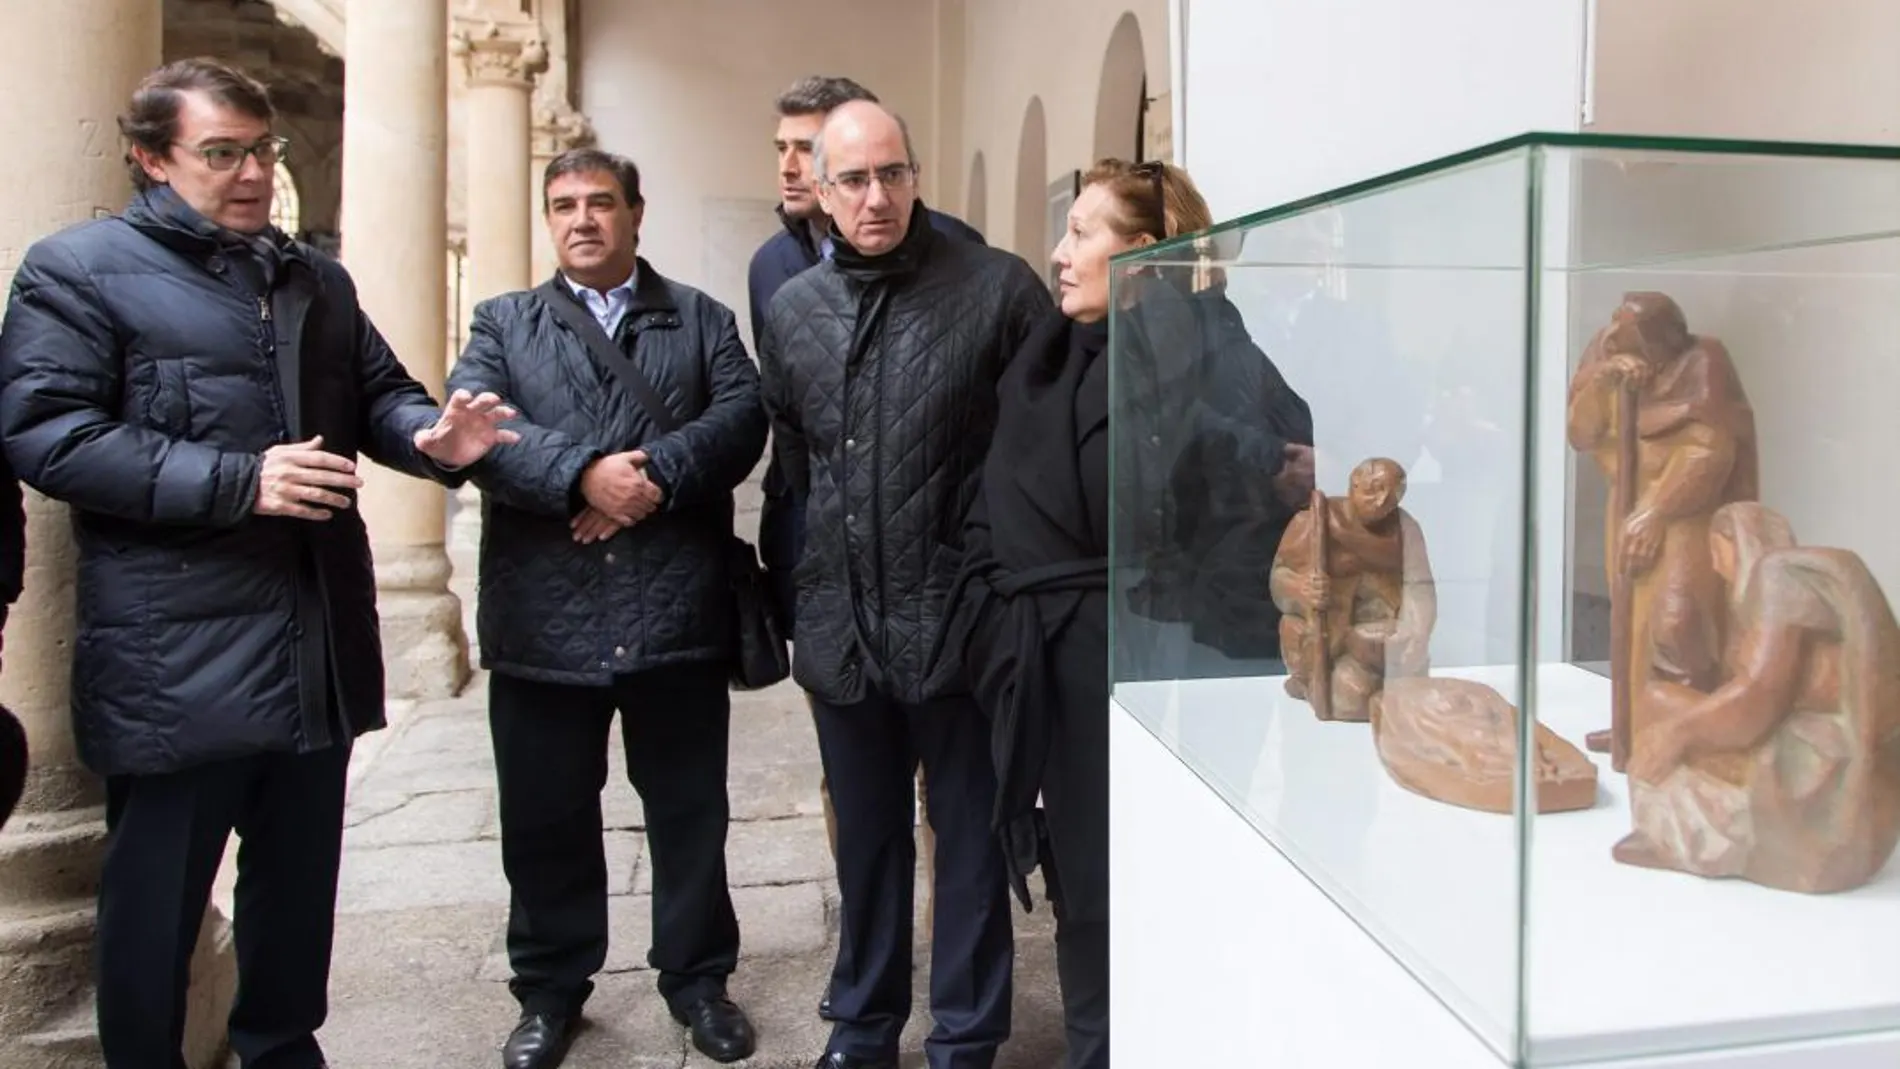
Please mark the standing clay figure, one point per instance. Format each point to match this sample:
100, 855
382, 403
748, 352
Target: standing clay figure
1786, 773
1355, 585
1663, 414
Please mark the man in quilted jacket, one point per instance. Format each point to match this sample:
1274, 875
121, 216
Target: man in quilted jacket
879, 368
606, 538
800, 245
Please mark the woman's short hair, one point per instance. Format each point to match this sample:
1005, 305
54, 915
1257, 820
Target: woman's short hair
1153, 198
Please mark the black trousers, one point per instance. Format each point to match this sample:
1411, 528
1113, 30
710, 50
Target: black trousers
551, 760
1075, 873
871, 751
1075, 805
166, 836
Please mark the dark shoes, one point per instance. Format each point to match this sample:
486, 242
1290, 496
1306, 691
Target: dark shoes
846, 1061
824, 1005
720, 1029
539, 1041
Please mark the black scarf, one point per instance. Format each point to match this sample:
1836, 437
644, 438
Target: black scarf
903, 260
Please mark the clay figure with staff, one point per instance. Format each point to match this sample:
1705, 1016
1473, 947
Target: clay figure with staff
1663, 413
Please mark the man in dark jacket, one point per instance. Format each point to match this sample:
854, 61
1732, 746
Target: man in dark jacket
880, 371
605, 547
804, 242
197, 386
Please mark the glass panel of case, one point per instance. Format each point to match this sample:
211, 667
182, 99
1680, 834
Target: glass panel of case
1468, 354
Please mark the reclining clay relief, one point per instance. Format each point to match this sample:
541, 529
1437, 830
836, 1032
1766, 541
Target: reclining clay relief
1786, 771
1355, 586
1456, 741
1663, 414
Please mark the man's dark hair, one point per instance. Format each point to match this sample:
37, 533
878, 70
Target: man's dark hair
150, 121
581, 160
819, 93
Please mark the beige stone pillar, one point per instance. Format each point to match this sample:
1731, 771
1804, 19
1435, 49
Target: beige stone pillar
502, 55
395, 233
76, 62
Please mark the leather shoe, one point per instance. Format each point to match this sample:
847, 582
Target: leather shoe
835, 1060
720, 1029
539, 1041
824, 1005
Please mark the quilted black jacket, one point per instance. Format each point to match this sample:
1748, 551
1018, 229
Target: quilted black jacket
655, 594
880, 374
145, 364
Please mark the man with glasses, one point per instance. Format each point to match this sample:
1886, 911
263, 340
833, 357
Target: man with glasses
197, 387
880, 369
805, 241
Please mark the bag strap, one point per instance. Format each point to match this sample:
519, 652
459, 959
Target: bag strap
569, 311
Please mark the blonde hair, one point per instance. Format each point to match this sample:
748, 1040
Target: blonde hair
1178, 210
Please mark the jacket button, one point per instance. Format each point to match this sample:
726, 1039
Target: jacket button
620, 651
850, 517
610, 558
850, 443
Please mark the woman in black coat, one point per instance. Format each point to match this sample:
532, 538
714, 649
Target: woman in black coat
1031, 605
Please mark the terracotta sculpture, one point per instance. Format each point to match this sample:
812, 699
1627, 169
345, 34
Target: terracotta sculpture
1663, 414
1456, 741
1787, 772
1355, 585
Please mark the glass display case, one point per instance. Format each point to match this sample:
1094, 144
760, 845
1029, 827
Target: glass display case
1577, 685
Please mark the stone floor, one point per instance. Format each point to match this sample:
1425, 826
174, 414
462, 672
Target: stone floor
419, 975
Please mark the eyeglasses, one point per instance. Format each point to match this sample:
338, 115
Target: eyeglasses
894, 178
225, 156
1156, 172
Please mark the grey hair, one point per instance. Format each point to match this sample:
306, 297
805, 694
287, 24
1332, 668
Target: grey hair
817, 94
818, 145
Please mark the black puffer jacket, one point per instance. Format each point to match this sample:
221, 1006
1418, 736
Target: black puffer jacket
142, 374
656, 593
880, 373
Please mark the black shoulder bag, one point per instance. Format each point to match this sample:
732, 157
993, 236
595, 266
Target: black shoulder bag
761, 656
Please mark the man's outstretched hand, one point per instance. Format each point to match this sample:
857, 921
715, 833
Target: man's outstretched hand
466, 430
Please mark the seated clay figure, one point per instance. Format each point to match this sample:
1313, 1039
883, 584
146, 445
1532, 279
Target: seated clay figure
1787, 773
1355, 587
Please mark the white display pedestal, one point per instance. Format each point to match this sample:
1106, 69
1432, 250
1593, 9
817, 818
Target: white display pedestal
1225, 953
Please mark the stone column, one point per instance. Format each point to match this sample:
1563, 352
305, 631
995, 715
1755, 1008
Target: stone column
502, 56
395, 237
77, 62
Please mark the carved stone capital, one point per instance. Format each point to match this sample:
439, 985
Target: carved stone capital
558, 127
497, 53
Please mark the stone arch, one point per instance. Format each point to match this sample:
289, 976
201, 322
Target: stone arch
1032, 184
323, 18
1121, 95
286, 208
977, 198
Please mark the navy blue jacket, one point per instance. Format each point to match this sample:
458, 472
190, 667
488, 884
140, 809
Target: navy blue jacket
784, 256
145, 366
